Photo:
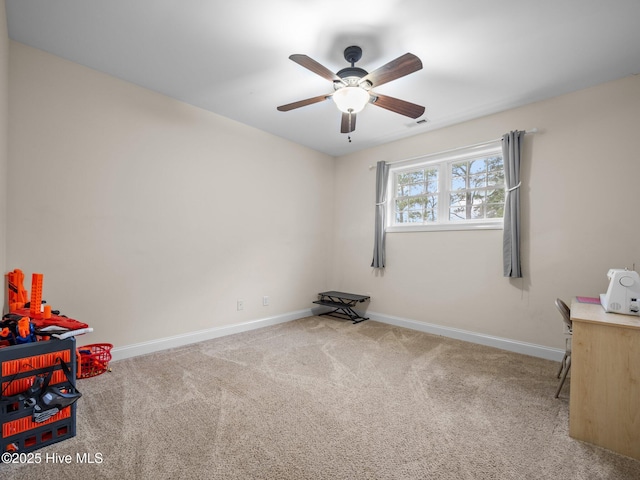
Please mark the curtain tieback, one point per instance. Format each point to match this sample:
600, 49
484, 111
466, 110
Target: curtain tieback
381, 203
513, 188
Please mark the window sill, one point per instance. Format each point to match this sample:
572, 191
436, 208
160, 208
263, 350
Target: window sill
446, 227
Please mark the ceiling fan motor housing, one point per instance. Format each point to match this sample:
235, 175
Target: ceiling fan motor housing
351, 75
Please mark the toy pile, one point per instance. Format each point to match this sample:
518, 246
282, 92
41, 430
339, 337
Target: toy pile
34, 320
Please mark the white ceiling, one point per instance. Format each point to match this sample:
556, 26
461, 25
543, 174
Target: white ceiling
231, 58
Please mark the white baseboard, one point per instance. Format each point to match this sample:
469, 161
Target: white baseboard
473, 337
143, 348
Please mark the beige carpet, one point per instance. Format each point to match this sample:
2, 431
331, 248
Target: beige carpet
320, 398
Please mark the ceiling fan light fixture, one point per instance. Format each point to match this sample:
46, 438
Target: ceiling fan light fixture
351, 99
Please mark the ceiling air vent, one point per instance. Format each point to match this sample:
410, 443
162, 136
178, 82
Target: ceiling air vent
422, 121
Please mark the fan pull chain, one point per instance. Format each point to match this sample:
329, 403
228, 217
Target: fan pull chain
349, 136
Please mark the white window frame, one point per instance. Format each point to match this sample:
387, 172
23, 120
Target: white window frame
442, 161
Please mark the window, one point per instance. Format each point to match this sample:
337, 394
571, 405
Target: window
462, 189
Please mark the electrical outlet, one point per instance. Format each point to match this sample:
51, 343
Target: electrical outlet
265, 301
240, 305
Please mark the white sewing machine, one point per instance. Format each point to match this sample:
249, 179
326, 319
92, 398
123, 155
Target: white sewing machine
623, 294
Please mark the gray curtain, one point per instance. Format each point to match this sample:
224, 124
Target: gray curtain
511, 147
382, 175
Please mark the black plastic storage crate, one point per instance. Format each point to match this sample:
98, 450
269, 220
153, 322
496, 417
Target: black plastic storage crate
19, 366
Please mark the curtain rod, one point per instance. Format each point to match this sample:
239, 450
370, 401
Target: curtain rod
527, 132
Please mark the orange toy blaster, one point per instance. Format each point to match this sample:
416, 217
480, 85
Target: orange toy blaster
47, 322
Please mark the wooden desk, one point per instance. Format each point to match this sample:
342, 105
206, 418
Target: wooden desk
604, 405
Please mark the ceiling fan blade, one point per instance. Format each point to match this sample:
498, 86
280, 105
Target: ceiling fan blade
310, 64
401, 66
303, 103
398, 106
348, 124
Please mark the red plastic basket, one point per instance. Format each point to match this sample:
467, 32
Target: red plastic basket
93, 359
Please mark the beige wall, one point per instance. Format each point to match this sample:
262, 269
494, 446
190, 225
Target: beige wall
148, 217
580, 202
4, 149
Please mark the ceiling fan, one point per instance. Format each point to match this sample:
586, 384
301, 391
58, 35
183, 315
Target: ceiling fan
352, 86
